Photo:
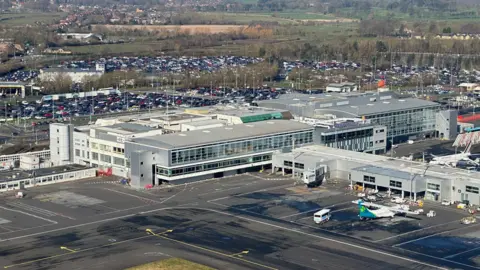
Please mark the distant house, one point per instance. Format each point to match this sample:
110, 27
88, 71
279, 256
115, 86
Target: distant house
56, 51
342, 87
80, 36
469, 87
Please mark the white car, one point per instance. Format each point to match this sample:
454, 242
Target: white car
446, 202
397, 200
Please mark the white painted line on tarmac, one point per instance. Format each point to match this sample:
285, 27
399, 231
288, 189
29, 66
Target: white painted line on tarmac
421, 229
131, 195
460, 253
435, 234
327, 239
264, 189
439, 258
28, 214
222, 190
251, 220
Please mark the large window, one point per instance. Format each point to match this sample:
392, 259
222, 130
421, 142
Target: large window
471, 189
118, 161
77, 152
433, 186
240, 147
369, 179
396, 184
287, 163
94, 156
106, 158
211, 166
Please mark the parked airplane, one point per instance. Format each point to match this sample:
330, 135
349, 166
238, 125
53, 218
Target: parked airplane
374, 211
452, 160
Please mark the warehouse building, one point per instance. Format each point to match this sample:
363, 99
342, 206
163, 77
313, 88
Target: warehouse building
404, 118
402, 177
209, 153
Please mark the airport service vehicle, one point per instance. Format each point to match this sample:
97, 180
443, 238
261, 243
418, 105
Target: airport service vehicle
461, 206
468, 220
397, 200
322, 216
369, 211
447, 202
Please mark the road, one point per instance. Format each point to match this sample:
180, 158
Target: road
132, 227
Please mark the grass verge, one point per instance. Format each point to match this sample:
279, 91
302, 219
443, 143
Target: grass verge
171, 264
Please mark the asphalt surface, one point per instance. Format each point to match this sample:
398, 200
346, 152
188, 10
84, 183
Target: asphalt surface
241, 222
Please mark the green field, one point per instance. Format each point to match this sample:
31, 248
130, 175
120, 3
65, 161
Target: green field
127, 48
15, 19
171, 264
280, 17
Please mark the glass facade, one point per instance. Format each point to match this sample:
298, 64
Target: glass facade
357, 140
407, 122
211, 166
240, 147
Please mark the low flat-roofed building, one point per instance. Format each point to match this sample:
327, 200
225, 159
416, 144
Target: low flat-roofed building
95, 146
17, 179
197, 125
234, 115
211, 152
12, 89
400, 176
342, 87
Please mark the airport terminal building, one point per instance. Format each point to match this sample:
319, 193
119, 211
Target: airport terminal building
215, 152
403, 117
401, 177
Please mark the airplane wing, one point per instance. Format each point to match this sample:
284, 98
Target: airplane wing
403, 211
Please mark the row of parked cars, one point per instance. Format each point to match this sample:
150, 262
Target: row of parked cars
129, 101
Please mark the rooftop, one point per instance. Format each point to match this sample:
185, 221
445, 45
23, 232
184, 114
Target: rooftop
205, 123
222, 134
176, 117
347, 104
125, 128
387, 165
6, 176
385, 171
12, 83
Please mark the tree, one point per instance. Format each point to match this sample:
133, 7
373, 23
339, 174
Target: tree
60, 83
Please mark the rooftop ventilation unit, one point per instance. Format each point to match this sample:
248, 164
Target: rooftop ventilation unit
206, 131
183, 135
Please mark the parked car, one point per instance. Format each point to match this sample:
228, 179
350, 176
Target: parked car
447, 202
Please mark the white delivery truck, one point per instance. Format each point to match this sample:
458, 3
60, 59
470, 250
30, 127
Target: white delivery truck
322, 216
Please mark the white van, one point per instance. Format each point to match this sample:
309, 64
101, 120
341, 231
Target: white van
322, 216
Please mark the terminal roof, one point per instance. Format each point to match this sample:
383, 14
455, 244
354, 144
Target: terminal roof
222, 134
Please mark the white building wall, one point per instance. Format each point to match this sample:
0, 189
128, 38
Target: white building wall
81, 148
60, 144
187, 127
231, 120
